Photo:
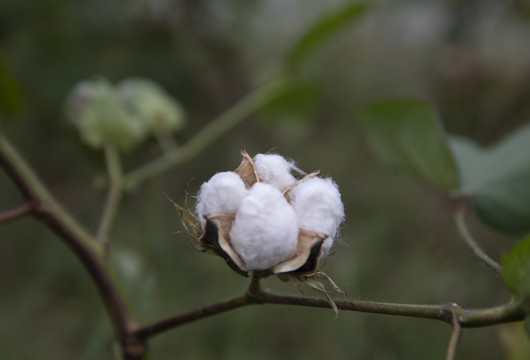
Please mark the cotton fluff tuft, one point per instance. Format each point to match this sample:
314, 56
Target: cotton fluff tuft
223, 193
318, 207
265, 230
275, 170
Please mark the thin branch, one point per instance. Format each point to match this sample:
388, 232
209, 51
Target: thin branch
88, 251
455, 335
217, 127
114, 194
254, 287
148, 331
470, 241
18, 211
446, 312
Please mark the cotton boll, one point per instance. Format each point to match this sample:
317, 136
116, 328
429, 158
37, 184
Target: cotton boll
265, 230
275, 170
223, 193
318, 207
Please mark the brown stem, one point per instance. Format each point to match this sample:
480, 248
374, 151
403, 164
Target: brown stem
18, 211
254, 287
445, 312
148, 331
83, 245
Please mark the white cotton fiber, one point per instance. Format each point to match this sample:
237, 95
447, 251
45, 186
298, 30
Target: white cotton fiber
223, 193
275, 170
265, 230
318, 207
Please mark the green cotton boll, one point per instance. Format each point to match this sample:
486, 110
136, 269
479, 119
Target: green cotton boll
101, 119
151, 104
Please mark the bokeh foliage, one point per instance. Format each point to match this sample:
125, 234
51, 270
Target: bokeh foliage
468, 58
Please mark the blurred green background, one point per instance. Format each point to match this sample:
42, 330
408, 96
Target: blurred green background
471, 59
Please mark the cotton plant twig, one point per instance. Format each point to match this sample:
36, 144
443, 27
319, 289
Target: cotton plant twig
254, 287
18, 211
470, 241
114, 194
455, 335
82, 244
445, 312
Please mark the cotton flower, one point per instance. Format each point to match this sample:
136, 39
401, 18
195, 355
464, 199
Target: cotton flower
318, 206
223, 193
275, 170
265, 230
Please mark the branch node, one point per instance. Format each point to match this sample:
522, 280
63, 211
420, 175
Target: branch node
456, 317
25, 208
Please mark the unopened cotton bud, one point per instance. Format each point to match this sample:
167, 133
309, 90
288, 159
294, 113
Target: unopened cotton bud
275, 170
151, 104
265, 230
319, 208
223, 193
94, 109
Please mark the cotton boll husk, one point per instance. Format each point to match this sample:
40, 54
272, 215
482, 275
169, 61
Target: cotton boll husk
223, 193
275, 170
265, 230
318, 206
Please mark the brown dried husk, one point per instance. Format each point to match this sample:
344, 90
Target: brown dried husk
247, 170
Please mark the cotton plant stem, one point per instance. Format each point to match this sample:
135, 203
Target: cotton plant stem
254, 287
18, 211
217, 127
159, 327
446, 312
114, 194
455, 335
82, 244
34, 190
470, 241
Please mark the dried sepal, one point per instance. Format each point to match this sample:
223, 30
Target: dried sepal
307, 253
223, 223
216, 238
189, 220
286, 191
247, 170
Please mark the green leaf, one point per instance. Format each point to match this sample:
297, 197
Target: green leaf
498, 178
10, 94
407, 133
323, 29
515, 271
505, 203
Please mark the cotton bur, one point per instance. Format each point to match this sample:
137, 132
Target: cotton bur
262, 218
